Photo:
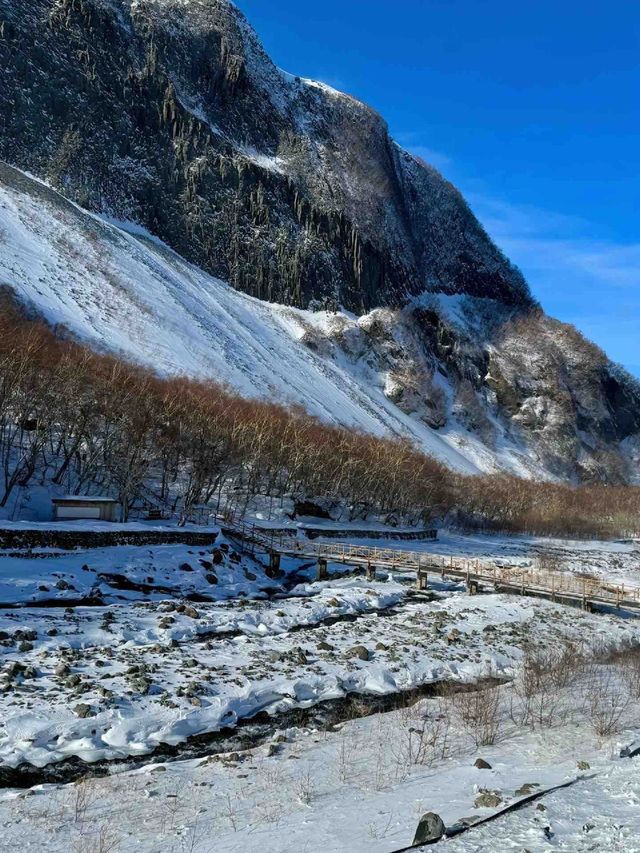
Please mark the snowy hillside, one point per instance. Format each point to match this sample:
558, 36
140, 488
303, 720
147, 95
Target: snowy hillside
170, 114
128, 293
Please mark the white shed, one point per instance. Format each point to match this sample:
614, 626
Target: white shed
74, 507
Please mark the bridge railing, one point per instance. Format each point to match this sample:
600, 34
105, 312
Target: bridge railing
525, 578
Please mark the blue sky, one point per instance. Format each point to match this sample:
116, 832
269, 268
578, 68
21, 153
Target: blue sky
532, 108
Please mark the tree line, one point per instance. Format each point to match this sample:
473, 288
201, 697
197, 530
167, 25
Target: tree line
91, 423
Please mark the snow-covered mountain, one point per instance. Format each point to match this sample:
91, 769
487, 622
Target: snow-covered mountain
381, 302
399, 371
169, 113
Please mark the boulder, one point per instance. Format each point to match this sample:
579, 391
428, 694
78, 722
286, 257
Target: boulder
430, 828
310, 509
487, 800
298, 655
527, 789
140, 685
360, 652
21, 634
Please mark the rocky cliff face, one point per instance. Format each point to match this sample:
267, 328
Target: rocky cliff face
169, 113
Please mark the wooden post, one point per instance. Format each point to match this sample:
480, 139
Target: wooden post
322, 569
443, 564
371, 572
274, 565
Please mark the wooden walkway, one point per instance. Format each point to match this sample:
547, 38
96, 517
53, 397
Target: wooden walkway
563, 587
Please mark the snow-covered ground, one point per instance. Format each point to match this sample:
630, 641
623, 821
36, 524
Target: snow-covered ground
360, 786
150, 670
116, 574
118, 288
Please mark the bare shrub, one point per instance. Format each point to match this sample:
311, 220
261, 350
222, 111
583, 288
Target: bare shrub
304, 786
423, 736
347, 755
230, 812
103, 840
82, 794
548, 560
628, 663
537, 699
479, 713
606, 702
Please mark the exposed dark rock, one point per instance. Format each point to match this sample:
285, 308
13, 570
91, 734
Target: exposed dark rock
21, 634
487, 800
173, 116
430, 828
359, 652
309, 508
527, 789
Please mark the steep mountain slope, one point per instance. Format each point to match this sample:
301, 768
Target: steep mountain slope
170, 114
475, 383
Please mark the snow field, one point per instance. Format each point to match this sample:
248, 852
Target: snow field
360, 785
115, 683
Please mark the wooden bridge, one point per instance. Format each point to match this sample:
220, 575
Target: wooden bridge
563, 587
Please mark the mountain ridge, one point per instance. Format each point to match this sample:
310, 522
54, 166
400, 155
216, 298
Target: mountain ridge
286, 189
392, 310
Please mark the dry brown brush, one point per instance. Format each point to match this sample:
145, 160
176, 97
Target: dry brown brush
95, 423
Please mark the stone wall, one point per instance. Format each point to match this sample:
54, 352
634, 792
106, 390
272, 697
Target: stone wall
68, 540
